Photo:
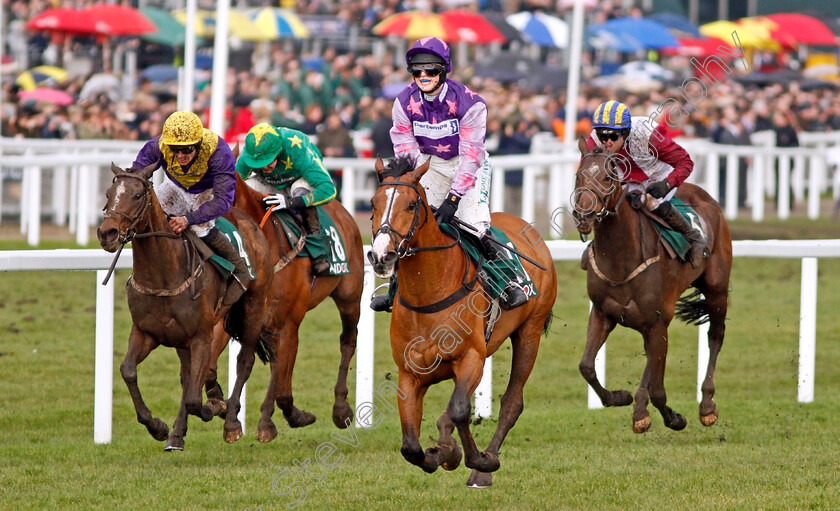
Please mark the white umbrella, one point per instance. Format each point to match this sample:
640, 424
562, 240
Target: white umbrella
541, 29
643, 70
101, 83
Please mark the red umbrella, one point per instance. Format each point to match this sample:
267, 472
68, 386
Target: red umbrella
697, 47
116, 20
452, 26
62, 20
59, 97
804, 29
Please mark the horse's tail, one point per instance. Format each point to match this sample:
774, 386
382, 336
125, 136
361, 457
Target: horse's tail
548, 321
693, 309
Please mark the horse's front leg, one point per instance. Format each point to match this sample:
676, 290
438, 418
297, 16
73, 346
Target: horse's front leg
200, 351
175, 442
411, 414
468, 371
266, 430
139, 347
342, 414
656, 342
600, 326
287, 346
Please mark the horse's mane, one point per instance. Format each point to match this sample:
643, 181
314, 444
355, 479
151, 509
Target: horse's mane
397, 167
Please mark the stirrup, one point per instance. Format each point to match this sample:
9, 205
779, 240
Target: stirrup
382, 302
513, 296
320, 266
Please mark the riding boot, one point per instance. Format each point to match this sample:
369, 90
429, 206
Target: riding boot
513, 294
317, 243
384, 302
699, 249
222, 246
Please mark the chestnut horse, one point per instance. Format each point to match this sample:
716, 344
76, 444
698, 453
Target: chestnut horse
447, 338
175, 301
633, 282
294, 292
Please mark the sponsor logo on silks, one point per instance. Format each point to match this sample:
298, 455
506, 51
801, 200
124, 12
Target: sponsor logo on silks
436, 131
339, 268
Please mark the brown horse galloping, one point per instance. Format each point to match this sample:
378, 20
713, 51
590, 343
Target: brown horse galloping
294, 292
175, 301
429, 347
633, 282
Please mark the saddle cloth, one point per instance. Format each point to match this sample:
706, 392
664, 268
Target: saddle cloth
675, 240
337, 251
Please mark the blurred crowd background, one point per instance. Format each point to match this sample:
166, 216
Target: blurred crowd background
342, 94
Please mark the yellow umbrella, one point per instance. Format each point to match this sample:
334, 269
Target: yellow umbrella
41, 75
747, 35
239, 25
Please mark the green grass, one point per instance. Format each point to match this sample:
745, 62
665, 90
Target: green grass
766, 452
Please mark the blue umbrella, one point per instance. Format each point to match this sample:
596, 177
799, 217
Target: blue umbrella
647, 33
160, 73
541, 29
676, 22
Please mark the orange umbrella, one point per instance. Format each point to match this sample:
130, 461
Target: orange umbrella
452, 26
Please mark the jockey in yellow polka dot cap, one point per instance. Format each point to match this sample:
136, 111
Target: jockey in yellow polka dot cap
199, 185
285, 164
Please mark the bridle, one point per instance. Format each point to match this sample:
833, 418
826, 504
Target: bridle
402, 241
603, 198
131, 230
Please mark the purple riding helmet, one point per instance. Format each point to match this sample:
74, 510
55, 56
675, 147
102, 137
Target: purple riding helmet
429, 50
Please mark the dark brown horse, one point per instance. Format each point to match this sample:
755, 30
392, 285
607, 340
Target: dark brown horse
294, 292
429, 347
175, 301
633, 282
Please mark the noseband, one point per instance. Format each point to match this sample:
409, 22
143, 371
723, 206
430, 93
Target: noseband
603, 198
131, 231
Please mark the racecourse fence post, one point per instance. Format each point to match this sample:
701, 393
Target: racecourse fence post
484, 392
103, 390
807, 329
364, 349
702, 357
233, 354
33, 215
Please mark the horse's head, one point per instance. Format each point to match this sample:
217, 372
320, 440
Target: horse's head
398, 205
127, 206
598, 187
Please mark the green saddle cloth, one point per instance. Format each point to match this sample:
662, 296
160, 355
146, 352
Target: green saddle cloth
500, 271
230, 231
331, 243
676, 240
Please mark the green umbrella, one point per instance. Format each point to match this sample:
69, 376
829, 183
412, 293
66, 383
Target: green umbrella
170, 31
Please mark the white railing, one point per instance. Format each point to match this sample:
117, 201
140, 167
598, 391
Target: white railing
79, 168
99, 260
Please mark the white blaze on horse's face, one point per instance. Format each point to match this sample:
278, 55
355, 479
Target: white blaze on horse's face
118, 193
379, 247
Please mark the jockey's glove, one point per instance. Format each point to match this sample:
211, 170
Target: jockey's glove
659, 189
446, 212
278, 200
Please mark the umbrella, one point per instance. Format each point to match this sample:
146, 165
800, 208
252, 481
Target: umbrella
509, 31
59, 97
648, 33
160, 73
239, 25
643, 70
696, 47
541, 29
452, 26
804, 29
101, 83
604, 40
507, 67
279, 22
169, 31
41, 75
775, 38
677, 23
62, 20
116, 20
747, 35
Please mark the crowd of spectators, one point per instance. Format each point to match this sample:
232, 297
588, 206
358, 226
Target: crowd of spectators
334, 94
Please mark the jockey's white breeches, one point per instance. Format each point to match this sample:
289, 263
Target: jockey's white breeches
176, 201
658, 175
474, 208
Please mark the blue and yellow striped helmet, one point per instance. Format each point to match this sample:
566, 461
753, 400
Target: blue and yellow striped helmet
611, 114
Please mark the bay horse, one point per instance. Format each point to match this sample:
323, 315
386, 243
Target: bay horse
175, 301
445, 339
294, 292
633, 282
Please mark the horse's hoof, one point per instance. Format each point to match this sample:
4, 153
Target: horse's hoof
678, 422
266, 433
342, 415
641, 426
485, 462
232, 435
214, 408
158, 429
620, 398
454, 460
480, 480
174, 443
300, 418
708, 420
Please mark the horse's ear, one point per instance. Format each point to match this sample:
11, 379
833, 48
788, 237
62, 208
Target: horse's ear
582, 146
146, 172
415, 175
379, 166
236, 152
116, 170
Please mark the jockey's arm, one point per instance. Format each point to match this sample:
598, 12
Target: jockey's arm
472, 130
402, 135
323, 187
673, 154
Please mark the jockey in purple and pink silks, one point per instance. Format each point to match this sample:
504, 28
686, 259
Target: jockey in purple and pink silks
441, 119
